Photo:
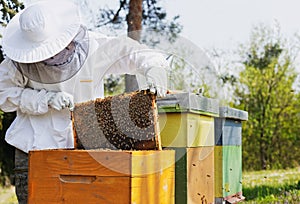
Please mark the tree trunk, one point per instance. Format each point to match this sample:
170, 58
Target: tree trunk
134, 22
263, 156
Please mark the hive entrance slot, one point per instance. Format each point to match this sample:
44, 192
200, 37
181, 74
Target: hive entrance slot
77, 179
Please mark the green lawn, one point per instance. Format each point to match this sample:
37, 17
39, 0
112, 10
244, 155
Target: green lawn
8, 196
278, 186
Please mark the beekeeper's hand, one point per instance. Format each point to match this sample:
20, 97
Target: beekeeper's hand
61, 100
157, 80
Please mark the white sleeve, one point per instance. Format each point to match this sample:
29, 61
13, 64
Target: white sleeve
128, 56
13, 94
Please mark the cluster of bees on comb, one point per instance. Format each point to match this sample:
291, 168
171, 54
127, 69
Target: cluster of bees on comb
127, 121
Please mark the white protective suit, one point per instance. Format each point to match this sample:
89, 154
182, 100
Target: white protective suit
38, 126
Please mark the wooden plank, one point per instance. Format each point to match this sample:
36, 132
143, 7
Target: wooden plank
200, 168
181, 176
228, 171
63, 176
66, 162
154, 188
173, 129
232, 170
44, 190
218, 171
200, 130
232, 132
80, 176
153, 177
151, 162
194, 175
186, 130
228, 131
102, 190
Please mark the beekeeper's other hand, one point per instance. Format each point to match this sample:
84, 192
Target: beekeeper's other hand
157, 80
61, 100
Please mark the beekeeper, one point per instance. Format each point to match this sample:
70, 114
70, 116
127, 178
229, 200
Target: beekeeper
53, 61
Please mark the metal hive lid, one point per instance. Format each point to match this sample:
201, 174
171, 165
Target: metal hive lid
228, 112
188, 102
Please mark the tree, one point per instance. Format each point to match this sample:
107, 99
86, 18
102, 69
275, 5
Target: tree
139, 13
134, 23
265, 90
8, 10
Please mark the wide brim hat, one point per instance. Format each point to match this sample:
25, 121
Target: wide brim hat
41, 30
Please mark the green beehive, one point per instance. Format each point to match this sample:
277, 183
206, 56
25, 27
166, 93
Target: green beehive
187, 125
228, 155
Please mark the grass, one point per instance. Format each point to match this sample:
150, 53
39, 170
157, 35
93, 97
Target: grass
278, 186
259, 187
8, 196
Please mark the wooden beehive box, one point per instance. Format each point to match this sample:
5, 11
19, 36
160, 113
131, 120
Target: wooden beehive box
228, 155
98, 176
187, 125
194, 175
187, 120
127, 121
228, 174
228, 126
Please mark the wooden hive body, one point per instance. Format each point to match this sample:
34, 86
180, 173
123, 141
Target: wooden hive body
94, 176
187, 120
187, 126
186, 130
228, 155
194, 175
228, 173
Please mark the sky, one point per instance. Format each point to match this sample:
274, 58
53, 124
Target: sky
224, 23
227, 23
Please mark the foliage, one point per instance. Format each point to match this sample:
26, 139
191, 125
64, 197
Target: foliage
113, 85
6, 152
182, 76
280, 186
154, 17
265, 90
9, 9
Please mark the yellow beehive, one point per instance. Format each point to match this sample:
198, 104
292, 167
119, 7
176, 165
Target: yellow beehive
187, 120
186, 130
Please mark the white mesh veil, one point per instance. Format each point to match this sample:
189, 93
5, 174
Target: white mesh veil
63, 65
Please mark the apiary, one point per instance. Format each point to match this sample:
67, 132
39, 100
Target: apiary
228, 155
187, 120
98, 176
127, 121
